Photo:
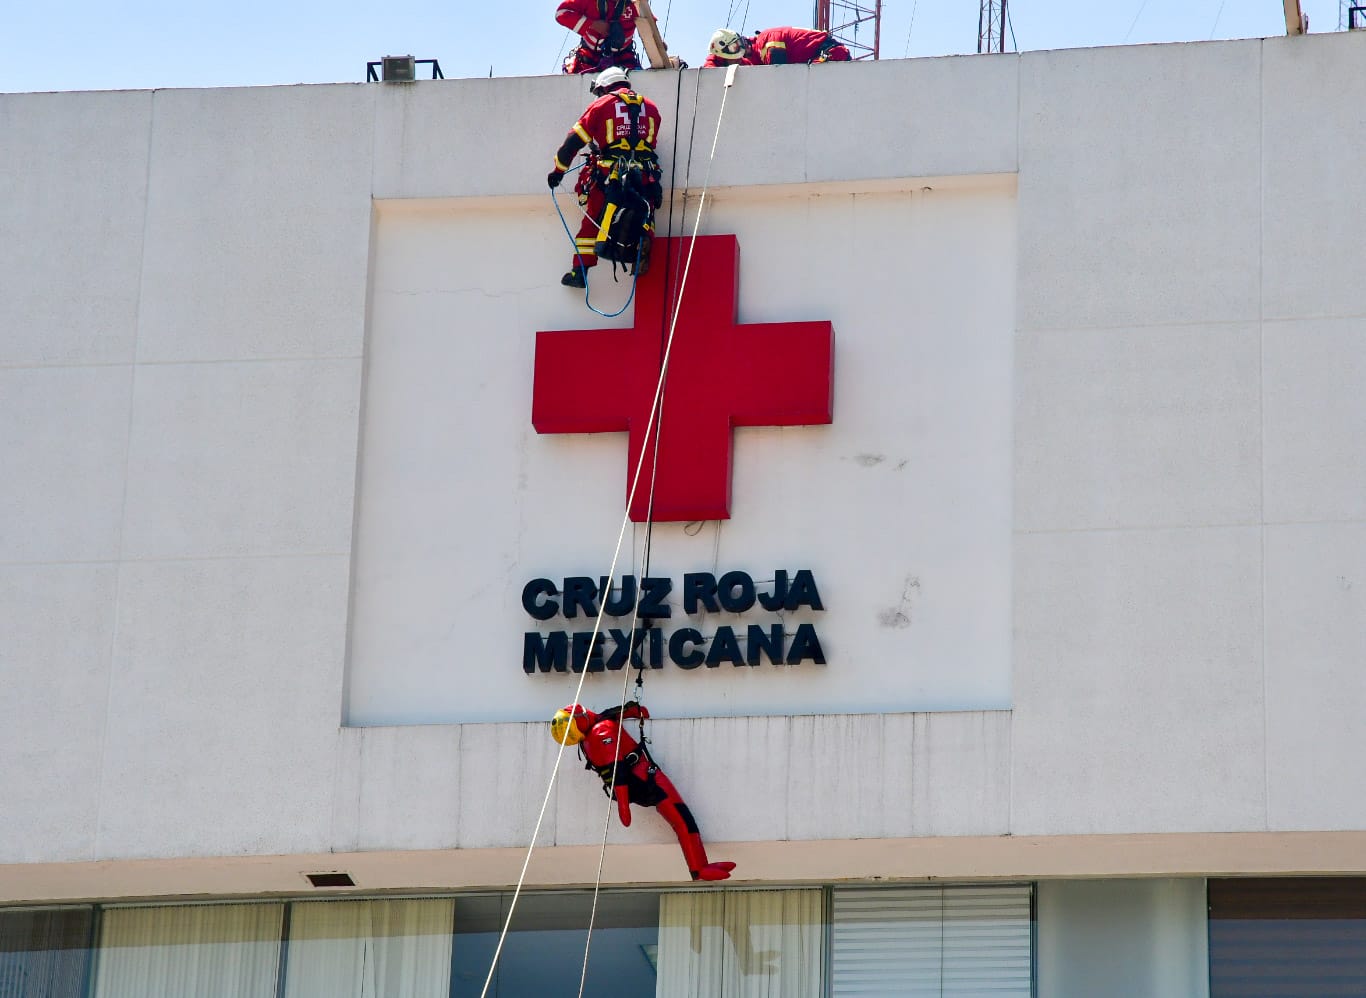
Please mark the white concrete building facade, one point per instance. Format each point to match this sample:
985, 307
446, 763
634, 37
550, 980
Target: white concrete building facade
1088, 522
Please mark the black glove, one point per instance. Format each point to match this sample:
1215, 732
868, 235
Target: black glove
553, 178
616, 36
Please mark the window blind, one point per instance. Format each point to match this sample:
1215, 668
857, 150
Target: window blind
923, 941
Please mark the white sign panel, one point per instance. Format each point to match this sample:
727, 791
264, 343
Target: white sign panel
898, 513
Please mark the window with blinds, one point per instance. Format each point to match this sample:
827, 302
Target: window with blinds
45, 952
931, 941
1302, 936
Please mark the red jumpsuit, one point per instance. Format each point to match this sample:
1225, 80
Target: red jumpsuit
628, 770
776, 46
606, 127
599, 51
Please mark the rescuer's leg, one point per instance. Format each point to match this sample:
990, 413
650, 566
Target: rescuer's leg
585, 256
680, 819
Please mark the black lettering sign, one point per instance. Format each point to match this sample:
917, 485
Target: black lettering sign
537, 601
620, 606
802, 592
736, 590
769, 643
652, 596
544, 652
776, 600
699, 587
678, 642
586, 651
724, 648
580, 592
647, 646
805, 645
624, 647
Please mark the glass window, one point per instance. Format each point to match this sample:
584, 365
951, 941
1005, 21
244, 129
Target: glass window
44, 952
358, 949
741, 943
190, 951
543, 953
1302, 936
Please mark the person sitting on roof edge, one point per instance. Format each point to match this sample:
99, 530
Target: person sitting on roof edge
630, 776
607, 29
774, 47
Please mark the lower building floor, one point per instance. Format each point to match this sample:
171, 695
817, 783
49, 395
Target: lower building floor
1168, 937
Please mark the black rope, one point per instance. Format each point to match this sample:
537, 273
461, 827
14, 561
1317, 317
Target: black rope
649, 521
668, 306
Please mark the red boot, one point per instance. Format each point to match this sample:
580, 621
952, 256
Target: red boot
714, 871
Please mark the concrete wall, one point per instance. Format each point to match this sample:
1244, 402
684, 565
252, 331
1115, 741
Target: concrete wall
184, 334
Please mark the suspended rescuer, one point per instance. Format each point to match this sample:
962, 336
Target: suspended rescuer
774, 47
608, 31
630, 776
619, 186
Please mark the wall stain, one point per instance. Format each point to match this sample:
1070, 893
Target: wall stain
899, 617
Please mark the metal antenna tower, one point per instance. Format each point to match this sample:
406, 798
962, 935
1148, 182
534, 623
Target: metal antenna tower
991, 26
843, 18
1351, 15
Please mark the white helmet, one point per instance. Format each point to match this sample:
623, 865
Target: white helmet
727, 44
609, 78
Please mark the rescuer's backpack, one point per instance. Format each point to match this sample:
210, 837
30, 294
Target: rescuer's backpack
627, 225
633, 192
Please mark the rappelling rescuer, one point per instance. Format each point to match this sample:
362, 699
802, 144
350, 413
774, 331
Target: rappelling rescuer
774, 47
630, 776
620, 129
607, 29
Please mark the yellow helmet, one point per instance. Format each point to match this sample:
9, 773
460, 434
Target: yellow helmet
564, 726
727, 44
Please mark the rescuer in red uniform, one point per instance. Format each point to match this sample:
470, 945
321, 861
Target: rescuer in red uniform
611, 751
619, 186
608, 30
774, 47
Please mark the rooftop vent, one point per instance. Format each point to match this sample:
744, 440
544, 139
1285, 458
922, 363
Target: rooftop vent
399, 69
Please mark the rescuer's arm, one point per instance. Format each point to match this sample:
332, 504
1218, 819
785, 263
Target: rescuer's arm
572, 16
574, 141
623, 796
635, 709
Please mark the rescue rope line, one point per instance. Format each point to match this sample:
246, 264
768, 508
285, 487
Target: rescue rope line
649, 517
655, 409
626, 677
559, 57
634, 275
658, 424
649, 532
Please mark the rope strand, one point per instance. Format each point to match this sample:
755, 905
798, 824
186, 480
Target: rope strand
655, 409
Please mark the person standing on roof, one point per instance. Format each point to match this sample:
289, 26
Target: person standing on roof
621, 129
774, 47
608, 31
630, 776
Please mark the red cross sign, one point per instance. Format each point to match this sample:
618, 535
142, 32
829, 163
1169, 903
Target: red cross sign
721, 375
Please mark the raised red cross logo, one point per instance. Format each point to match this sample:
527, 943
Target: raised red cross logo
721, 375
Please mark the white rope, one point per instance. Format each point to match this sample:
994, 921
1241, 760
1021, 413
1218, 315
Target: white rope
616, 555
649, 519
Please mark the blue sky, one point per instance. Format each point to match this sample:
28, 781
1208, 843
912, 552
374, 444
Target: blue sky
83, 45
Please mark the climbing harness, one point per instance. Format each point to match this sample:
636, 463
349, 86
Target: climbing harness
652, 427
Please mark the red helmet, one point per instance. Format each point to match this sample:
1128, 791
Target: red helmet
567, 733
